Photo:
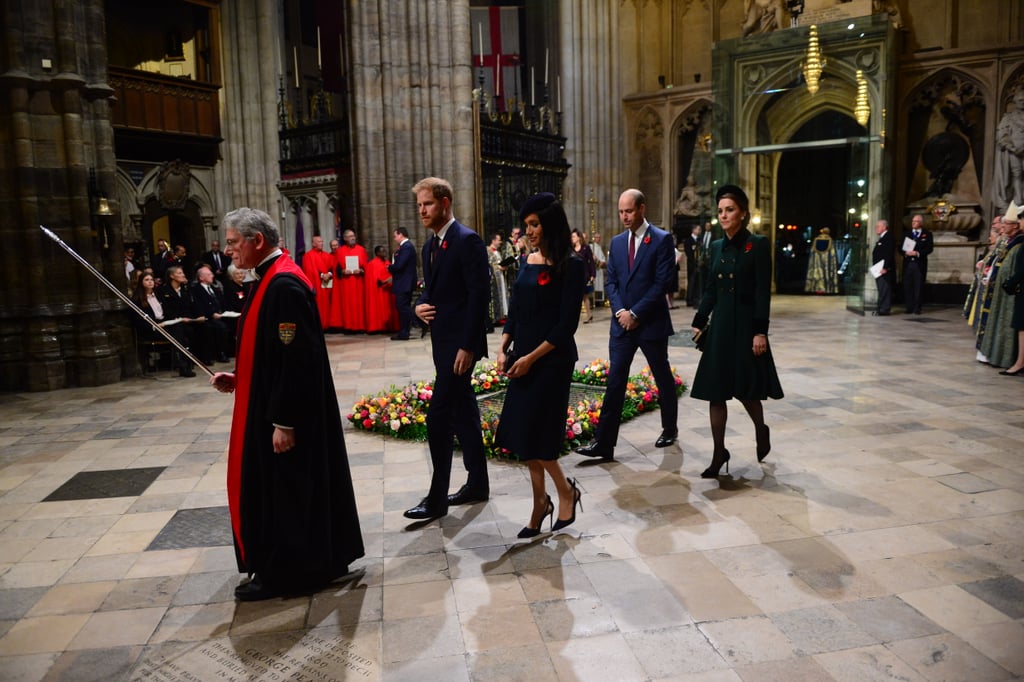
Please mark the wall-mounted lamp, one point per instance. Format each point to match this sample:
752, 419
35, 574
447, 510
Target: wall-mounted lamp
814, 62
861, 108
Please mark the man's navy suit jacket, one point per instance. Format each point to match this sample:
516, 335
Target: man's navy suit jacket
457, 284
641, 289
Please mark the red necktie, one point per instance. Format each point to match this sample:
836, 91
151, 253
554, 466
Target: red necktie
632, 248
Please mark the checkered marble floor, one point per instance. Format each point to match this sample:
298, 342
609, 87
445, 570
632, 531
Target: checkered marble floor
883, 538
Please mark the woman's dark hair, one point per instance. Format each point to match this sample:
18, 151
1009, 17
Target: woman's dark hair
556, 244
739, 197
139, 293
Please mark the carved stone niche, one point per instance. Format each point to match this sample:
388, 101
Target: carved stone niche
945, 135
173, 185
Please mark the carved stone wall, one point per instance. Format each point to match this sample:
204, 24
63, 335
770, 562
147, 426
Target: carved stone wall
58, 325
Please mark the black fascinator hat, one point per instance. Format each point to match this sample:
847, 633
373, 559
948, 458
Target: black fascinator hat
536, 204
737, 194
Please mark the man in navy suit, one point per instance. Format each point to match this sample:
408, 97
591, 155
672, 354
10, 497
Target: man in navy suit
207, 311
640, 269
403, 280
454, 302
884, 253
915, 264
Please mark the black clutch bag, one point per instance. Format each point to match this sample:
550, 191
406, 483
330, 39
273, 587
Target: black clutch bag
1013, 289
700, 337
510, 357
511, 260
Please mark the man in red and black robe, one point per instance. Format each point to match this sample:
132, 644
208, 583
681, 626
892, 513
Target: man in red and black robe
293, 510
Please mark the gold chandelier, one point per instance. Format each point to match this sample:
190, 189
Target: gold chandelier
814, 63
861, 108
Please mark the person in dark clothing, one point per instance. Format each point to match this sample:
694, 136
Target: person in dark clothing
538, 353
454, 303
884, 252
293, 509
737, 360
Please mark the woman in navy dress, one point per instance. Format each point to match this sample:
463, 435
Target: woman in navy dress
538, 353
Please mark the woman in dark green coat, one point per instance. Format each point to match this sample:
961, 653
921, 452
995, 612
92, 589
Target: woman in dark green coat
737, 362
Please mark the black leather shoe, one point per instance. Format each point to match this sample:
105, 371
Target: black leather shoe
186, 373
223, 357
253, 590
423, 331
595, 450
666, 438
396, 337
467, 495
424, 511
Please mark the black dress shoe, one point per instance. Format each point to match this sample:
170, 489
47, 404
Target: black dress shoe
595, 450
424, 511
222, 357
423, 331
186, 373
396, 337
666, 438
254, 590
467, 495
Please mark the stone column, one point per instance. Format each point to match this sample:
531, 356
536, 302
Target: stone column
592, 112
58, 325
412, 79
251, 40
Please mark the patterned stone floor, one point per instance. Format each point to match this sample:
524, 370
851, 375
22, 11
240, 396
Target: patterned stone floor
882, 539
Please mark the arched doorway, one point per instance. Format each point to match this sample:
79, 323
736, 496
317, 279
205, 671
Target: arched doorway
763, 99
813, 188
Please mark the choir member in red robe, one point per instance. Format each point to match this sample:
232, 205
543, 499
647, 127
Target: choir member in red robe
290, 494
319, 268
381, 314
348, 302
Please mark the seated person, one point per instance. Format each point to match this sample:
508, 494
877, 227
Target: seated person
145, 296
236, 292
207, 311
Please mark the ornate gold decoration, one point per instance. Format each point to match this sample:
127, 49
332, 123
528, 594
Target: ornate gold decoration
861, 108
814, 62
942, 209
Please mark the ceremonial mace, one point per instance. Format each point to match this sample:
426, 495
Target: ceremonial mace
121, 295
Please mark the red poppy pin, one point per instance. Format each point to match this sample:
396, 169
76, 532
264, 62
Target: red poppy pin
749, 247
444, 245
543, 278
647, 239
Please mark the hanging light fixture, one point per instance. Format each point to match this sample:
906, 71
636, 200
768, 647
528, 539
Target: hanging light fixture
814, 63
861, 108
103, 207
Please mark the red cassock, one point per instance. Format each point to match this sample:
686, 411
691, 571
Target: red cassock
315, 264
381, 314
348, 302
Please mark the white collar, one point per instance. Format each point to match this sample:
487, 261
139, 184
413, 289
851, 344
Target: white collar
642, 231
444, 230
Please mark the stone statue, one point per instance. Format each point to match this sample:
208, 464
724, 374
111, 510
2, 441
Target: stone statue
1009, 176
888, 7
688, 203
764, 16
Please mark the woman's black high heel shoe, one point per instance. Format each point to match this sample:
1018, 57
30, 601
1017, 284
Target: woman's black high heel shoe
549, 511
720, 458
576, 500
764, 442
